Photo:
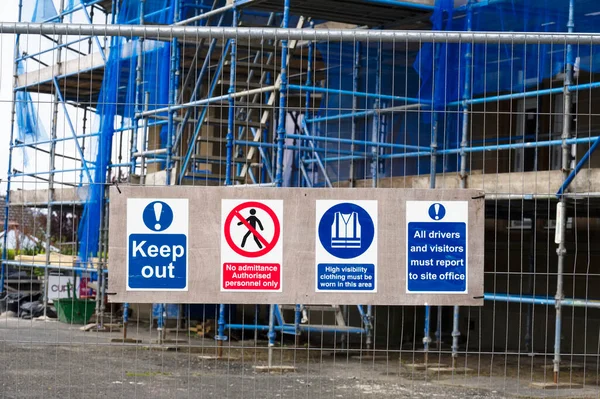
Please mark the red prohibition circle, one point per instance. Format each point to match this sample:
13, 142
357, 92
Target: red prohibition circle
227, 229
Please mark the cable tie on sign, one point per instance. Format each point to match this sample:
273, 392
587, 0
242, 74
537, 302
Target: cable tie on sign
478, 297
478, 196
116, 183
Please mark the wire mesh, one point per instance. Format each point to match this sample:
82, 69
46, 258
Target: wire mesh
225, 100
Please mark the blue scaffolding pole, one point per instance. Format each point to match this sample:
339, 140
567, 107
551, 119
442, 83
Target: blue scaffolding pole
204, 112
199, 80
10, 155
139, 102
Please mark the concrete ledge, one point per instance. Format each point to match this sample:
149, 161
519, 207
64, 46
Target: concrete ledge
39, 198
67, 68
518, 183
552, 385
526, 183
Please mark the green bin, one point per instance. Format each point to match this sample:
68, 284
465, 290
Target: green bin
74, 311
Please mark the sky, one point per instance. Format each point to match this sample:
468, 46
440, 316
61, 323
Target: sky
39, 160
7, 44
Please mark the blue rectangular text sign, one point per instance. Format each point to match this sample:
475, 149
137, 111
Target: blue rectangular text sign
436, 247
157, 244
346, 277
157, 261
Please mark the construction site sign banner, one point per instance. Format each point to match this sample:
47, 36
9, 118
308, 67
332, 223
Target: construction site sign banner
294, 245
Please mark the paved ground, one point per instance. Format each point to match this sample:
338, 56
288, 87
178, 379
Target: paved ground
54, 360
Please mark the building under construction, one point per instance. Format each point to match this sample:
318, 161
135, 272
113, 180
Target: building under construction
515, 120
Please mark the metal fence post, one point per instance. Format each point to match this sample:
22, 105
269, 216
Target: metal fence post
13, 113
52, 167
221, 337
468, 58
561, 209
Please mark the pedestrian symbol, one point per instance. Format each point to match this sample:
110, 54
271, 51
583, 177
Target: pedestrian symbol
251, 223
245, 215
251, 248
346, 246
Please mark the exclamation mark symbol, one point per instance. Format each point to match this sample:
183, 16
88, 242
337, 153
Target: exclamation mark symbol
157, 211
436, 208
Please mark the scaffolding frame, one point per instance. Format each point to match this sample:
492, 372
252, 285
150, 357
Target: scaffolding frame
309, 146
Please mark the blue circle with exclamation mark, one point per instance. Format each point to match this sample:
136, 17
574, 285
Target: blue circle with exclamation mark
158, 216
437, 211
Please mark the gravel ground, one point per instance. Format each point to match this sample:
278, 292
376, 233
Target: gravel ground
117, 372
54, 360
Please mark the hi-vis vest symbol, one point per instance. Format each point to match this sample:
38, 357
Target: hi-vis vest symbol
345, 230
346, 246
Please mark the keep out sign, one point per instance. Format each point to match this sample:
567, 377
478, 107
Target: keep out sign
157, 244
